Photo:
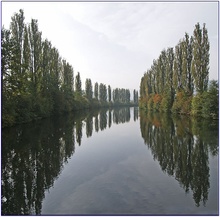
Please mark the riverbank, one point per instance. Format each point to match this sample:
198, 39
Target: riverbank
77, 106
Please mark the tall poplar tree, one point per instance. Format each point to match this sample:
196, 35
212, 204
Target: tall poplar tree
78, 84
8, 102
109, 93
102, 93
96, 90
187, 80
88, 86
17, 36
200, 61
26, 60
169, 72
161, 71
36, 55
178, 66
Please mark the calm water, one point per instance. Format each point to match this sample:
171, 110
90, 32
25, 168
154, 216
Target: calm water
117, 161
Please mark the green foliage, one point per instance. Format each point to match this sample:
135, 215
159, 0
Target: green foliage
135, 97
214, 98
109, 93
89, 92
174, 75
102, 93
166, 103
78, 84
150, 104
197, 104
207, 104
210, 99
200, 61
96, 91
121, 96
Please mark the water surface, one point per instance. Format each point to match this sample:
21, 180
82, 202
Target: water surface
119, 161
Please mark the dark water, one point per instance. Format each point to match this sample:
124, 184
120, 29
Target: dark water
117, 161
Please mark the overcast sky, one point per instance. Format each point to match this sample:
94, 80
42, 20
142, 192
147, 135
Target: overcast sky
116, 42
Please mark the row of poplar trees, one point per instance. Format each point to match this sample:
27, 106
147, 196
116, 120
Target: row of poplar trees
37, 82
178, 80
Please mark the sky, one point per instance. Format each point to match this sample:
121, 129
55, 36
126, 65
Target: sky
115, 43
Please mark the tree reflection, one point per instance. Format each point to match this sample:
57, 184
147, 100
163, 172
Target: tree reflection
109, 118
34, 154
136, 113
78, 127
180, 146
103, 119
32, 157
89, 126
121, 115
97, 123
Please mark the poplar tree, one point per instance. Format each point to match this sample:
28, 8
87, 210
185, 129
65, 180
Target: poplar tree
135, 97
142, 87
46, 61
36, 55
68, 77
8, 106
102, 92
186, 64
169, 72
161, 71
200, 61
178, 66
6, 58
17, 37
55, 71
26, 60
46, 87
116, 95
96, 90
109, 93
78, 84
127, 96
88, 87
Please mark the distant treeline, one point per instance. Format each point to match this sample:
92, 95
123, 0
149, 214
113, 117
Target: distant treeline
178, 80
37, 82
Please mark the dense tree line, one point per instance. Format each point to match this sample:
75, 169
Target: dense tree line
178, 80
37, 82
